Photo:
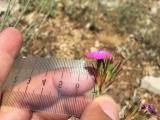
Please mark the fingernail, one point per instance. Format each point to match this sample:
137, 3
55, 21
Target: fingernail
109, 108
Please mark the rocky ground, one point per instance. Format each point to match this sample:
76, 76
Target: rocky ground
66, 38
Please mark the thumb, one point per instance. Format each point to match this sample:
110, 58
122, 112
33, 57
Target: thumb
102, 108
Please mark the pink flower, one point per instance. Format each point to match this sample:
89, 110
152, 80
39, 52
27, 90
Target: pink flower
99, 54
150, 109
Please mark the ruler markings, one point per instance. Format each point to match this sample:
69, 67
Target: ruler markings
47, 65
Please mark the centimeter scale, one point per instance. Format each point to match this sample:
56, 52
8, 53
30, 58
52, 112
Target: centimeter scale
46, 84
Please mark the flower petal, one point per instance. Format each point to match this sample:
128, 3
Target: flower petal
99, 54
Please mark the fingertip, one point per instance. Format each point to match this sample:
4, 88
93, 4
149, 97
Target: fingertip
102, 108
10, 44
13, 31
109, 106
10, 40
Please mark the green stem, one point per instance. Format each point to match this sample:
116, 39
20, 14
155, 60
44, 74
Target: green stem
7, 12
24, 10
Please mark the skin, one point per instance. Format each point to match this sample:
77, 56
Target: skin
10, 44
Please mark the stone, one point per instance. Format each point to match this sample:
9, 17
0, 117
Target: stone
151, 83
153, 118
3, 5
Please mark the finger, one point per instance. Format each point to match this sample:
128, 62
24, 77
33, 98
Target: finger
48, 116
10, 113
74, 81
34, 89
10, 44
102, 108
66, 107
76, 105
34, 86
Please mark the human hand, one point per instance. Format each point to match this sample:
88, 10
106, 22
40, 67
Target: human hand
102, 108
